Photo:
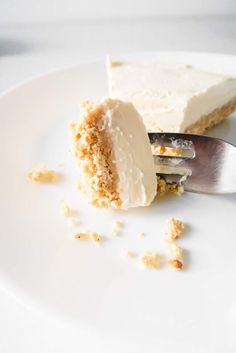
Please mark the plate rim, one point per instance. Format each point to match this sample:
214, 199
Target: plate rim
63, 68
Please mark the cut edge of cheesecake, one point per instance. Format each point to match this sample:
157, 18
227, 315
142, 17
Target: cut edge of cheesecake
210, 120
115, 170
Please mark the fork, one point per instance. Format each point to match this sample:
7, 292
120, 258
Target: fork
205, 164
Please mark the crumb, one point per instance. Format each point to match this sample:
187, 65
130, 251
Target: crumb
175, 264
95, 237
42, 175
81, 236
116, 225
116, 63
128, 253
115, 232
164, 188
157, 150
166, 151
176, 255
141, 234
175, 228
88, 236
73, 222
150, 260
175, 189
66, 211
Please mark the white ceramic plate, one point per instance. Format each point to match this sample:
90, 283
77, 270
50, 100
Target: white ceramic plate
95, 287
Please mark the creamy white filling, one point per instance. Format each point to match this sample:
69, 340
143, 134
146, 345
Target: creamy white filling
169, 97
131, 153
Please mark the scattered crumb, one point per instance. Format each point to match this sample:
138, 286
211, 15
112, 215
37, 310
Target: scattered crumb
88, 236
141, 234
166, 151
128, 253
42, 175
175, 264
176, 255
81, 236
150, 260
73, 222
163, 188
175, 228
115, 232
116, 227
118, 223
116, 63
66, 211
95, 237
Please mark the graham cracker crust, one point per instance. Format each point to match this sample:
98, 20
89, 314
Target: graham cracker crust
92, 150
212, 119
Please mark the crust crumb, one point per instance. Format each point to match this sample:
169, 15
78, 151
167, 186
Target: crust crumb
81, 236
95, 237
176, 255
175, 228
118, 223
141, 234
88, 236
158, 150
66, 211
164, 188
40, 174
175, 264
150, 260
116, 227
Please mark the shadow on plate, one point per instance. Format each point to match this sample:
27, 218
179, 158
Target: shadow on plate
227, 197
9, 46
226, 130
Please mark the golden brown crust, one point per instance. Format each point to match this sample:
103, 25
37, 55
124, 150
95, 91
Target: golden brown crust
92, 148
212, 119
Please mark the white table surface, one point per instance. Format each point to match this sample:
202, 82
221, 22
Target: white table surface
32, 49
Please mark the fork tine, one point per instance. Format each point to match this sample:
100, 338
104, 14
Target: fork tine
213, 165
171, 163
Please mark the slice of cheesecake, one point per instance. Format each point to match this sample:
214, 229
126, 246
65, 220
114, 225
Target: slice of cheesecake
113, 153
173, 98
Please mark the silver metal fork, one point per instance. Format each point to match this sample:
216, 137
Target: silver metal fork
206, 164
